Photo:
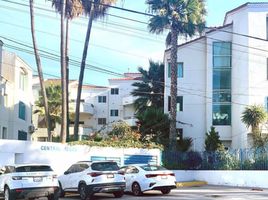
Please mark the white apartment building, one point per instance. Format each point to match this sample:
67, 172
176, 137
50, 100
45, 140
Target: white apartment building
15, 97
100, 106
219, 74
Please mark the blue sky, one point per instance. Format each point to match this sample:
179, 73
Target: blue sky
116, 44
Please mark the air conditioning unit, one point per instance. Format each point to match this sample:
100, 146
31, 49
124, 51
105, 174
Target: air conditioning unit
31, 129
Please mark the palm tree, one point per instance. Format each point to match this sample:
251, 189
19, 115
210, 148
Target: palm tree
253, 116
54, 103
94, 9
40, 72
150, 91
182, 17
73, 8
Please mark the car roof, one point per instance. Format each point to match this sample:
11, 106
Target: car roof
26, 165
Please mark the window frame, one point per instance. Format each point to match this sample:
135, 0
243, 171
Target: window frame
179, 101
102, 121
114, 91
22, 111
102, 99
114, 112
180, 73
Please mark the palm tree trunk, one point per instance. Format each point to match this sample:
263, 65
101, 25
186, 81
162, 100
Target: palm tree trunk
67, 79
82, 70
63, 75
40, 72
173, 90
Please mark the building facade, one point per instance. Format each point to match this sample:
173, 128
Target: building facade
229, 72
15, 97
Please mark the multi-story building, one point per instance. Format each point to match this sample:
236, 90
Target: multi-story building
100, 106
229, 71
15, 97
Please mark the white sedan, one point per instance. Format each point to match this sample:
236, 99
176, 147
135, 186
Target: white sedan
144, 177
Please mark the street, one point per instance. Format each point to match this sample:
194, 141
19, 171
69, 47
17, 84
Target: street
194, 193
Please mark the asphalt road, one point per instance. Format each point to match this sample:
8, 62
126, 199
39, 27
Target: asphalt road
194, 193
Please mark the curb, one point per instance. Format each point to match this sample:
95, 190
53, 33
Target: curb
191, 184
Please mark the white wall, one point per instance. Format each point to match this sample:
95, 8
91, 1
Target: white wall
228, 178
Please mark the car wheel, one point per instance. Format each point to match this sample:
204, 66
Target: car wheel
7, 194
136, 189
118, 194
61, 191
165, 191
84, 194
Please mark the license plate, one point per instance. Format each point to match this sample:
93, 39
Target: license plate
37, 179
110, 176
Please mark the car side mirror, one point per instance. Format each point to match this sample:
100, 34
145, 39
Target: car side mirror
66, 172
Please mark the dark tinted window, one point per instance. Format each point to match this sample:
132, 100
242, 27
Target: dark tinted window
105, 166
39, 168
152, 167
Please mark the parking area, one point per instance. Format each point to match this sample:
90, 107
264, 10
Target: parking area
194, 193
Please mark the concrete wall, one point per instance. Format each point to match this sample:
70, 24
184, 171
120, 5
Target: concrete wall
228, 178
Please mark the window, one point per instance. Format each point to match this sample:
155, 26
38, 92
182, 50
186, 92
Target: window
114, 113
179, 103
22, 135
22, 110
114, 91
101, 121
102, 99
4, 132
179, 72
222, 79
179, 133
221, 114
23, 79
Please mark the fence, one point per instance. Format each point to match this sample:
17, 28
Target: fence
241, 159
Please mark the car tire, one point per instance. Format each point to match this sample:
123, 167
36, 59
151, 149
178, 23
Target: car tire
136, 189
61, 191
118, 194
165, 191
7, 194
84, 194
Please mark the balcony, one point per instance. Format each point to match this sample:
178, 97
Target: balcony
85, 108
128, 100
131, 121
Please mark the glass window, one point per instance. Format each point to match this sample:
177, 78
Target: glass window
101, 121
222, 48
105, 166
221, 79
221, 61
114, 91
152, 168
22, 110
102, 99
179, 103
22, 135
23, 79
222, 96
114, 113
221, 114
179, 72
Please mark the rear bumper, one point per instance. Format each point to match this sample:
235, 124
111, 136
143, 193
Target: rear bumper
33, 192
170, 187
106, 187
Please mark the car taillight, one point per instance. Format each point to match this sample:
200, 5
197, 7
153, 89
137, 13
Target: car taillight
17, 177
150, 175
94, 174
172, 174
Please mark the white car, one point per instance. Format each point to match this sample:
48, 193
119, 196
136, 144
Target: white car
144, 177
87, 178
27, 181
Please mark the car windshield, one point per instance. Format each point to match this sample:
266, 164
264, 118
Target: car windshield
152, 167
105, 166
35, 168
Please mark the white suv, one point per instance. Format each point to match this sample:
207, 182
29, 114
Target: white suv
28, 181
87, 178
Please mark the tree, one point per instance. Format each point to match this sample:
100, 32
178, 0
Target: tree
154, 125
253, 116
150, 91
73, 8
182, 17
40, 73
54, 103
212, 142
94, 9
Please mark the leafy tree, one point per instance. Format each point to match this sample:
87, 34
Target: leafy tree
182, 17
94, 9
54, 103
253, 116
150, 91
40, 72
212, 142
154, 125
